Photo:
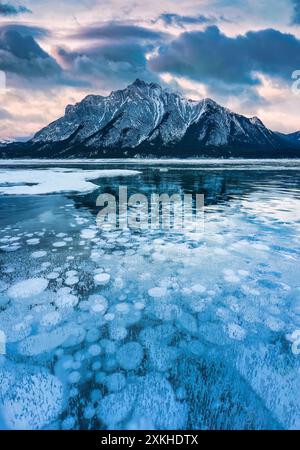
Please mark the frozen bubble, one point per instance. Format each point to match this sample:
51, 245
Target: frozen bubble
156, 404
94, 350
33, 241
139, 306
159, 257
98, 304
115, 407
230, 276
109, 346
236, 332
188, 323
96, 395
89, 412
59, 244
71, 273
274, 324
100, 377
157, 292
33, 398
96, 366
102, 278
71, 281
67, 362
64, 290
117, 332
243, 273
69, 334
181, 393
74, 377
92, 335
198, 288
123, 307
109, 317
52, 275
68, 423
88, 233
259, 246
115, 382
51, 319
130, 355
39, 254
66, 300
27, 288
119, 283
10, 248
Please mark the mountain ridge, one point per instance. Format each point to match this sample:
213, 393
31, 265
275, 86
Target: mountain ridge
145, 120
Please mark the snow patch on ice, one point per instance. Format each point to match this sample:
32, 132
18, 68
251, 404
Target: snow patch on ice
49, 181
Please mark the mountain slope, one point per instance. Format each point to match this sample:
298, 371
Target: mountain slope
146, 120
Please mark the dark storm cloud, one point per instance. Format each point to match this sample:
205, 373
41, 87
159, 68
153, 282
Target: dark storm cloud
26, 30
6, 9
113, 62
182, 20
118, 31
21, 55
210, 56
113, 53
296, 12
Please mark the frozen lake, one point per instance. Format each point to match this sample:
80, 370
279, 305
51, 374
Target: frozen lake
136, 330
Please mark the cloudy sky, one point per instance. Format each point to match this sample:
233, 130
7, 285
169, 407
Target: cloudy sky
241, 53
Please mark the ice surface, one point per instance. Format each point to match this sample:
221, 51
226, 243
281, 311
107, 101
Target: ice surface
154, 330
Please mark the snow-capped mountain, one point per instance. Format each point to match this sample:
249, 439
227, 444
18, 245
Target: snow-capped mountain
146, 120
